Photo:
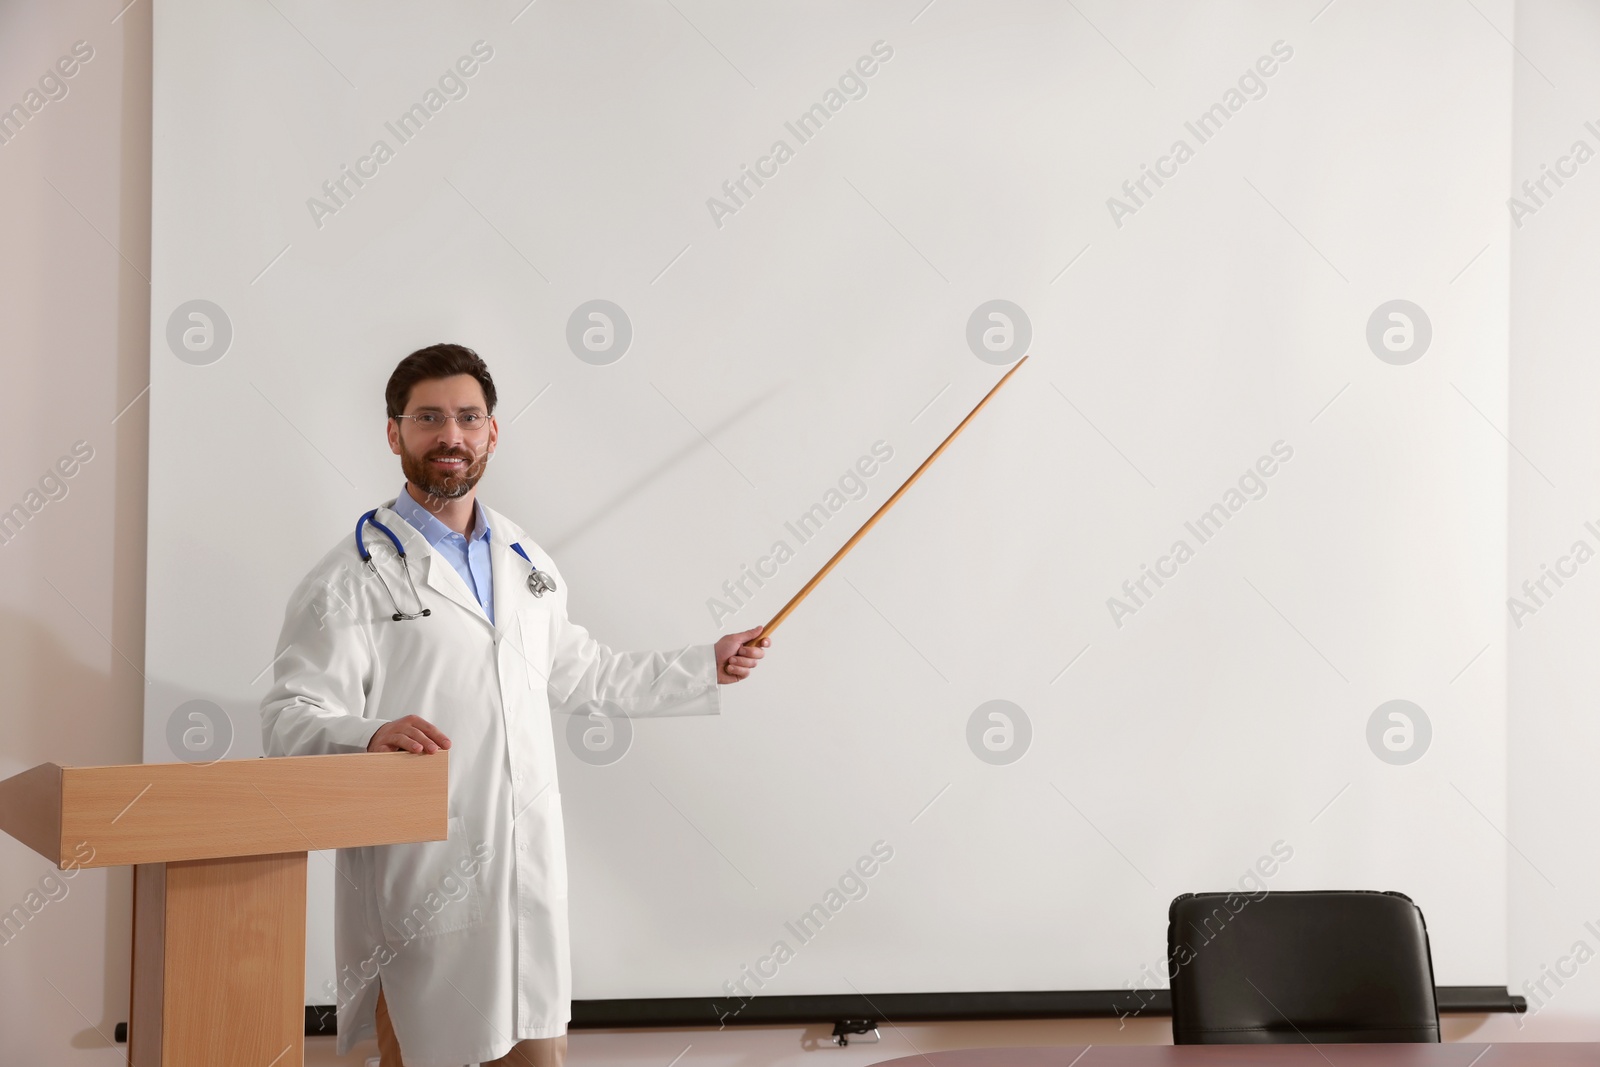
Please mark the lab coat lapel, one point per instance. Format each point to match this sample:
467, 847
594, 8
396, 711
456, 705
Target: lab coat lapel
429, 567
510, 571
509, 575
512, 601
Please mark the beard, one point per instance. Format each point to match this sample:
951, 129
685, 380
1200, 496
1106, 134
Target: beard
449, 485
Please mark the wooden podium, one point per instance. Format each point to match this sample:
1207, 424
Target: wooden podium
219, 854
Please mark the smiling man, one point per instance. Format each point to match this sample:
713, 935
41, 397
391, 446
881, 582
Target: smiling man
444, 626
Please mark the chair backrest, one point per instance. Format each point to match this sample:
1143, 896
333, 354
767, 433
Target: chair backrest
1299, 967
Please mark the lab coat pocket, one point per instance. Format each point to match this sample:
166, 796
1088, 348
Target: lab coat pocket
427, 888
533, 628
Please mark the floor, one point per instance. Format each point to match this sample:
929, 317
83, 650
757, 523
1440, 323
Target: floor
793, 1046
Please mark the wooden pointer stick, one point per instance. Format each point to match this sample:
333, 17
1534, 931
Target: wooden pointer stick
794, 602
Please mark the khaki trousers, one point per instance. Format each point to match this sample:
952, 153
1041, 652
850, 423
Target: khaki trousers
532, 1052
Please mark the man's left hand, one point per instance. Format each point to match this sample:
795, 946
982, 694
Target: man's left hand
734, 661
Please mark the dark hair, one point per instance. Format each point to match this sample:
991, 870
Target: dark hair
435, 361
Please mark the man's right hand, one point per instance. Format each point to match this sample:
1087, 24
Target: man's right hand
410, 734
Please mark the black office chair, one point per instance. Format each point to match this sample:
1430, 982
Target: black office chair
1299, 967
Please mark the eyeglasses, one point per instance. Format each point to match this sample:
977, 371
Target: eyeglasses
434, 420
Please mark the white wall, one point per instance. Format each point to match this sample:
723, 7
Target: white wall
1555, 490
74, 306
74, 303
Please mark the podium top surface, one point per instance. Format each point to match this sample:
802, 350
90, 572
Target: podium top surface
158, 812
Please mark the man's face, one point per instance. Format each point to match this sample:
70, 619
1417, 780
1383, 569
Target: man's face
444, 461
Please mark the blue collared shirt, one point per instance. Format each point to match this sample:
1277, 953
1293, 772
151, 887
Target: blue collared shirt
469, 558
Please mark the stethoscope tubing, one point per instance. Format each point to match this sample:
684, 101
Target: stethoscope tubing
538, 581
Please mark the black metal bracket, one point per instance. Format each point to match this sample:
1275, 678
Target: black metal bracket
862, 1029
703, 1013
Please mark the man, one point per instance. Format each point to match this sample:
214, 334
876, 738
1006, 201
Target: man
450, 647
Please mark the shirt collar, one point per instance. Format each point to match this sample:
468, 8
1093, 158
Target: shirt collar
428, 524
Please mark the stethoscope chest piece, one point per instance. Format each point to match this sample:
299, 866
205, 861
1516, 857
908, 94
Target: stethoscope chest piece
539, 583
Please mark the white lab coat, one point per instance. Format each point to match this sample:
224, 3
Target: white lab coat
469, 935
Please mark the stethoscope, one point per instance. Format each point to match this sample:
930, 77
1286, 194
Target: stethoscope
539, 583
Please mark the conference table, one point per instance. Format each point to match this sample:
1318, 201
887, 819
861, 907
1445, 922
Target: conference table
1452, 1054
